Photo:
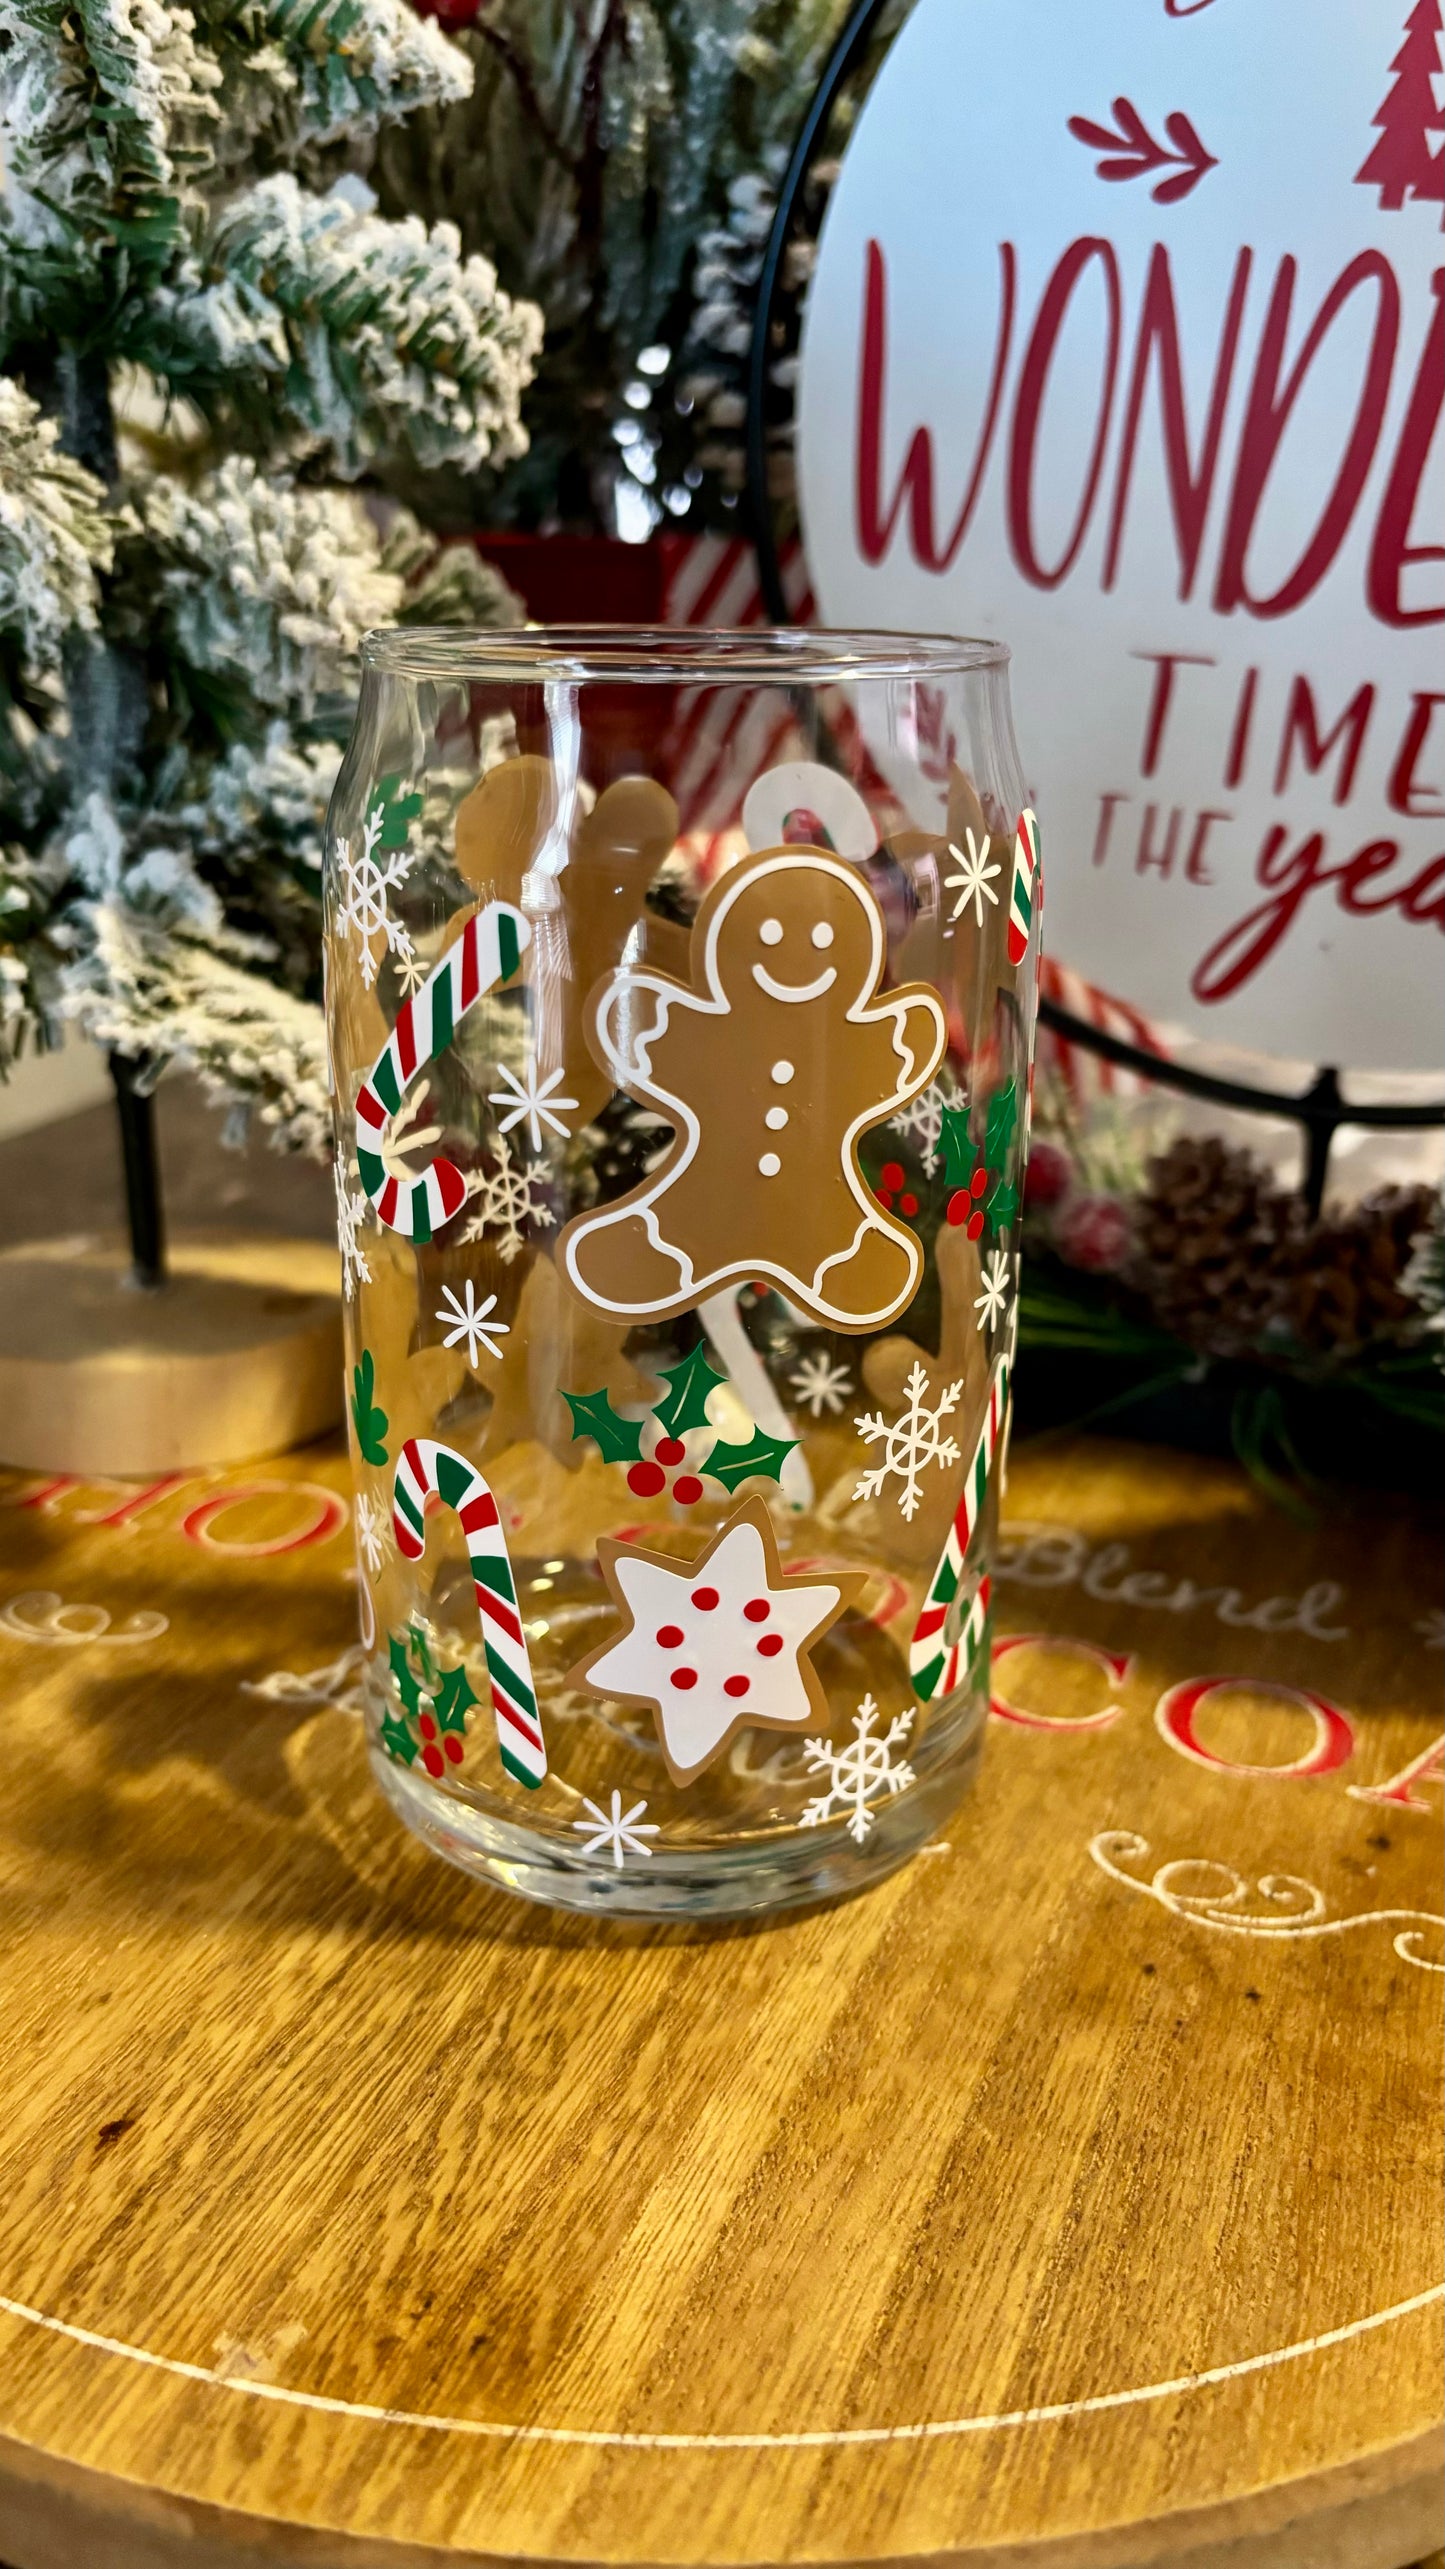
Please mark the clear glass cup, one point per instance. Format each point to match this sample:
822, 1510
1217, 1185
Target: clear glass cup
681, 995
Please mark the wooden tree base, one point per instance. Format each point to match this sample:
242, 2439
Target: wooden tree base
237, 1355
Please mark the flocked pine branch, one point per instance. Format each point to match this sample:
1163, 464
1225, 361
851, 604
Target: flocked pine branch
316, 324
184, 615
263, 588
54, 535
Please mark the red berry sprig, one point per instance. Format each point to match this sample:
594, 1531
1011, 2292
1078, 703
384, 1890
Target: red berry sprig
893, 1191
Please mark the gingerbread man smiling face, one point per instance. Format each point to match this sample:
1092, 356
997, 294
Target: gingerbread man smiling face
770, 1065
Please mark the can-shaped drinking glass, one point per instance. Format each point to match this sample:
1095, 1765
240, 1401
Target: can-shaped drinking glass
681, 994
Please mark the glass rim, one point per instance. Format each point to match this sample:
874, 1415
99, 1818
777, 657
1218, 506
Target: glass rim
671, 655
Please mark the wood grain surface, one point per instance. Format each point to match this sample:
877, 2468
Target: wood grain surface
1071, 2199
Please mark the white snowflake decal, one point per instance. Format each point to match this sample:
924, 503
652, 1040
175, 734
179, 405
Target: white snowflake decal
922, 1120
533, 1102
910, 1443
351, 1209
506, 1200
974, 881
411, 972
366, 880
468, 1320
373, 1530
821, 1385
621, 1832
859, 1771
992, 1303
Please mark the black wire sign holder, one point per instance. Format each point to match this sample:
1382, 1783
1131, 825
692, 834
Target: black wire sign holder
1320, 1109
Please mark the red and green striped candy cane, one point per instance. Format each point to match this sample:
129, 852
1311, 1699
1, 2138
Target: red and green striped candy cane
425, 1470
934, 1665
486, 954
1024, 894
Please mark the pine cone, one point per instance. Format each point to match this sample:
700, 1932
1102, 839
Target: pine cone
1219, 1245
1348, 1288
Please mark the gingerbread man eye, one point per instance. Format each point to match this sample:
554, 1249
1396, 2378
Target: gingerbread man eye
822, 934
771, 932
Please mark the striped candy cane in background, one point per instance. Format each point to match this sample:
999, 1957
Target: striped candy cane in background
425, 1470
1023, 895
485, 955
934, 1667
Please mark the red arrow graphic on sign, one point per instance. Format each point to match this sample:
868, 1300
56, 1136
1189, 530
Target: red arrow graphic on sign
1132, 152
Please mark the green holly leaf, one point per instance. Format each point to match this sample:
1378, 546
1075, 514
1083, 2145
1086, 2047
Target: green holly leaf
1003, 1111
397, 1740
960, 1157
421, 1652
1002, 1207
401, 1669
685, 1405
369, 1420
761, 1458
453, 1699
398, 811
618, 1440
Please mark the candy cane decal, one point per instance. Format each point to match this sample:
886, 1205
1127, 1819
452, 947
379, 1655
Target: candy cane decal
933, 1665
425, 1470
937, 1667
1024, 894
485, 955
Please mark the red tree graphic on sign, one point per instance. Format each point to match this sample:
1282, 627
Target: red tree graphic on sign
1402, 163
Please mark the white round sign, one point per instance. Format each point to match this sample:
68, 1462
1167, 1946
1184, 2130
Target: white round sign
1127, 343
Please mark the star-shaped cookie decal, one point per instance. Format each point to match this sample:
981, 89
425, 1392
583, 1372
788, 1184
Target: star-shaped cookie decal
716, 1645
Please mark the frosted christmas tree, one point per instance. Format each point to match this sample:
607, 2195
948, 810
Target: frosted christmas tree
209, 341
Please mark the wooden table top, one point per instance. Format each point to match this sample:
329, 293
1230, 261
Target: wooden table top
1072, 2198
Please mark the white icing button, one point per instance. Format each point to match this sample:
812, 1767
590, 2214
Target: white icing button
822, 934
775, 1118
781, 1073
769, 1164
771, 932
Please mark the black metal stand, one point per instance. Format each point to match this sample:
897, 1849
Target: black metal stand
1321, 1110
136, 1108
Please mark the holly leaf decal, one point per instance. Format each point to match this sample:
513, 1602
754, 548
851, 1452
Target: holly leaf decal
685, 1405
397, 1740
1002, 1207
420, 1651
618, 1440
369, 1420
762, 1457
453, 1699
960, 1158
397, 812
406, 1684
1003, 1109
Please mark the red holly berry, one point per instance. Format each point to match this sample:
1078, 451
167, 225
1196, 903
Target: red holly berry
433, 1760
453, 1748
669, 1449
958, 1208
975, 1225
908, 1206
687, 1489
891, 1175
645, 1480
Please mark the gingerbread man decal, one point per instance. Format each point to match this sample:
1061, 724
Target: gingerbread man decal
770, 1066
